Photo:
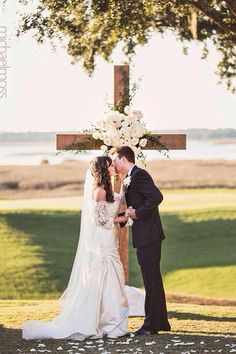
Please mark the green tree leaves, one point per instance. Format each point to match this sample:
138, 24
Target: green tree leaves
95, 28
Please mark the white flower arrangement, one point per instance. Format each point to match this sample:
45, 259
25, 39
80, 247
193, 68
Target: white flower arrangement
117, 129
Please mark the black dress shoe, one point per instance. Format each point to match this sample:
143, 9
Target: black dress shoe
141, 331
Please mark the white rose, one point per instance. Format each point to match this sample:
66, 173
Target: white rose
127, 109
139, 133
135, 132
96, 135
109, 120
125, 123
104, 148
122, 116
137, 114
122, 132
118, 124
143, 142
113, 150
101, 136
99, 123
134, 141
117, 141
122, 141
108, 141
128, 143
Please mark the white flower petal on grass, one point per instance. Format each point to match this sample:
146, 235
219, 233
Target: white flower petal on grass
150, 343
81, 349
182, 343
202, 342
232, 351
41, 345
175, 340
33, 350
100, 341
217, 340
59, 348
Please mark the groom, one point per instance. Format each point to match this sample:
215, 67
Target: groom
143, 198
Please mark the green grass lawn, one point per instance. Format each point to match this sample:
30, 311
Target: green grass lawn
38, 245
198, 254
196, 329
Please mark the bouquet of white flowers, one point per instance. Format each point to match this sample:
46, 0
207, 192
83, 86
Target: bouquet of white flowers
117, 129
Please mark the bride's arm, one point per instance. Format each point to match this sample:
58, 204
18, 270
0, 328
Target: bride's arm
118, 219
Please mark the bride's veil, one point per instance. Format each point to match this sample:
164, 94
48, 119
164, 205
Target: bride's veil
82, 264
86, 246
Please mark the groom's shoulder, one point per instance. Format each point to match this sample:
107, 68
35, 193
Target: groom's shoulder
141, 172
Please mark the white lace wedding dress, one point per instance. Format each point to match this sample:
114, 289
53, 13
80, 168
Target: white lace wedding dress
96, 300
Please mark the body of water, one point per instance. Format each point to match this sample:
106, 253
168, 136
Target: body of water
32, 153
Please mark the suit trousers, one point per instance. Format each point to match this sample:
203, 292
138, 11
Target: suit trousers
155, 302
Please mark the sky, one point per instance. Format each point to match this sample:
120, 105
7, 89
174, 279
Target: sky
45, 92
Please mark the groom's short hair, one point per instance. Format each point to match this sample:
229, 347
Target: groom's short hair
127, 152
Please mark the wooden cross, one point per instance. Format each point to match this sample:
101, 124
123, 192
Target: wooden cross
79, 141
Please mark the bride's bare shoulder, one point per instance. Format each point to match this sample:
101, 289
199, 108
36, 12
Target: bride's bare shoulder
99, 194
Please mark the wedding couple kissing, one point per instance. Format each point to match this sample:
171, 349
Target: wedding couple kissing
96, 302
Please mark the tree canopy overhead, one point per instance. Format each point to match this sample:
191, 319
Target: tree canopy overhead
94, 28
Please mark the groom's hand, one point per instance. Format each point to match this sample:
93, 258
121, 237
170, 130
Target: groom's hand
131, 213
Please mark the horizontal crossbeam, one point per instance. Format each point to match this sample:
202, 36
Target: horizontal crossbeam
67, 141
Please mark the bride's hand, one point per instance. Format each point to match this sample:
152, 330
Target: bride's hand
127, 212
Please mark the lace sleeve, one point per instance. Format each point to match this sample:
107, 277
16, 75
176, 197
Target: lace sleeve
103, 219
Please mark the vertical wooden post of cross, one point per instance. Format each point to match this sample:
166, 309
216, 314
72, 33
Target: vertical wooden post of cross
121, 98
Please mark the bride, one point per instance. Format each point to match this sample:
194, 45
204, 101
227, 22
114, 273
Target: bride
95, 302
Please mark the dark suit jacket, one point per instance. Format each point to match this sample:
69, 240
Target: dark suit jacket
144, 196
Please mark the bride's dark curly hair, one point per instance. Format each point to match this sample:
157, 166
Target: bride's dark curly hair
99, 169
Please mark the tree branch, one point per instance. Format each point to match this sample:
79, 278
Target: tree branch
213, 14
232, 6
